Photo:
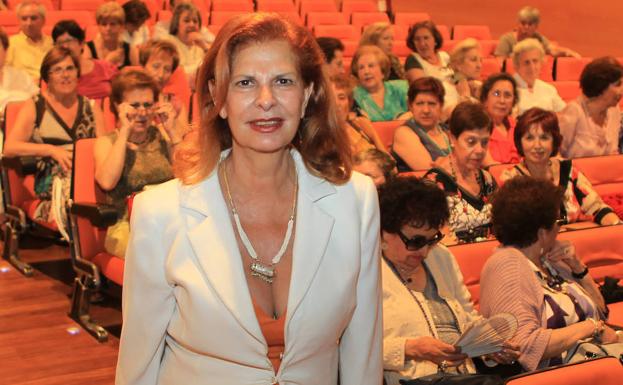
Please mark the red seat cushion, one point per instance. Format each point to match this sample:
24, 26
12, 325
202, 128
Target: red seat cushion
111, 266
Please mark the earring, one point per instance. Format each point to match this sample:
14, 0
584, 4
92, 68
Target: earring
383, 245
541, 251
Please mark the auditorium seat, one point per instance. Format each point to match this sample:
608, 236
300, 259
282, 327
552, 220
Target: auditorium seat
8, 18
448, 45
342, 32
350, 47
604, 172
232, 6
83, 18
350, 6
410, 18
600, 371
80, 5
400, 49
362, 19
220, 18
276, 6
325, 18
386, 130
317, 6
490, 66
488, 47
444, 31
401, 31
547, 68
163, 15
479, 32
569, 68
568, 89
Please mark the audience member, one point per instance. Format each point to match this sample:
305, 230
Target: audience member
381, 34
138, 153
162, 27
136, 30
184, 34
95, 74
528, 57
537, 138
360, 131
426, 305
421, 140
15, 84
538, 279
468, 187
528, 22
333, 50
268, 155
107, 44
590, 125
376, 164
499, 95
425, 41
466, 63
29, 46
381, 99
47, 127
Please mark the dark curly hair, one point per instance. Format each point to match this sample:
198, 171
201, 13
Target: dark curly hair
408, 200
521, 207
548, 122
597, 76
426, 24
426, 85
490, 82
468, 116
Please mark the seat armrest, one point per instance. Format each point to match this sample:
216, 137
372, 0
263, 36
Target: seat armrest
99, 214
23, 165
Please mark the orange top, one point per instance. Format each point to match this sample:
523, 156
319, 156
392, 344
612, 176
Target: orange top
273, 330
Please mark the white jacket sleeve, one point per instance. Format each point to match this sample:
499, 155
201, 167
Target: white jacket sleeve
361, 360
148, 300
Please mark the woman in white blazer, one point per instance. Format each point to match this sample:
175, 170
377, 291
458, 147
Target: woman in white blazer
264, 225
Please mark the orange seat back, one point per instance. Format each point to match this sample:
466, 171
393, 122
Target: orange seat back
386, 130
601, 371
570, 68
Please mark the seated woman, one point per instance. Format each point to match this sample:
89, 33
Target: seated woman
381, 34
95, 74
47, 127
466, 62
107, 44
538, 279
538, 138
381, 99
361, 133
425, 41
499, 96
426, 305
160, 59
590, 125
468, 187
136, 29
528, 57
184, 34
422, 140
376, 164
138, 152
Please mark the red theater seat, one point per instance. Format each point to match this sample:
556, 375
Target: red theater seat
568, 89
479, 32
342, 32
232, 6
350, 6
410, 18
601, 371
386, 130
325, 18
361, 19
569, 68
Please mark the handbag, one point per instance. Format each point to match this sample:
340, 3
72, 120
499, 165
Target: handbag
611, 290
455, 379
589, 350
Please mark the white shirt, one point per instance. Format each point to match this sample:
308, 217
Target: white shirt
542, 95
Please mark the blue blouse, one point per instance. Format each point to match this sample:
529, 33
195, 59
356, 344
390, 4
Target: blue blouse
395, 101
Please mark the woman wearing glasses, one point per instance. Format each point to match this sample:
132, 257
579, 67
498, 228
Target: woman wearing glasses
538, 279
48, 125
426, 305
138, 152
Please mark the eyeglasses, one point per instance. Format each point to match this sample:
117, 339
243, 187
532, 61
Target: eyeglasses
145, 105
503, 95
419, 241
66, 41
60, 70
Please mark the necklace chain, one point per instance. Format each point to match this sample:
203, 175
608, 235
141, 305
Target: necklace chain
265, 272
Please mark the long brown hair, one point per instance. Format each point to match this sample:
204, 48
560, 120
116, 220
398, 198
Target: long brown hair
320, 139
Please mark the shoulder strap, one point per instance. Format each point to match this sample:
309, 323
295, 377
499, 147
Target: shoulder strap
40, 109
565, 172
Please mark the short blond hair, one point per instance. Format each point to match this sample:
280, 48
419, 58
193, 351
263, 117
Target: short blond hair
529, 14
373, 32
524, 46
381, 58
457, 56
26, 3
110, 10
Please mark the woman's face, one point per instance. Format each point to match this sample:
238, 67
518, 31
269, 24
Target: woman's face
471, 66
266, 97
369, 72
395, 250
110, 29
142, 102
69, 42
343, 102
612, 94
63, 77
537, 144
499, 102
371, 169
160, 67
470, 148
530, 63
386, 40
426, 110
189, 22
424, 42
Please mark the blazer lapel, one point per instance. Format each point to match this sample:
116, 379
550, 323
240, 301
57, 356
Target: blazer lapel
214, 244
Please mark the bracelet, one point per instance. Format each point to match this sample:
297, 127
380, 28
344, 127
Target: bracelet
581, 274
598, 331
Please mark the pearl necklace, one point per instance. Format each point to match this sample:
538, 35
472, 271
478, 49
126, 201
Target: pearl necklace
265, 272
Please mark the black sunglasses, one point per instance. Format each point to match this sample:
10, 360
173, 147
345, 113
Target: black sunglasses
420, 241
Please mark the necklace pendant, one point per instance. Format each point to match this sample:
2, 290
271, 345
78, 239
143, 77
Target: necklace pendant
263, 272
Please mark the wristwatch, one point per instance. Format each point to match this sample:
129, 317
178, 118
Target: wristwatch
581, 274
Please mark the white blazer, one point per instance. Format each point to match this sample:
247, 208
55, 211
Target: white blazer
187, 312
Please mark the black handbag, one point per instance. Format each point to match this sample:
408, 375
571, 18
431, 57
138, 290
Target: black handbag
455, 379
